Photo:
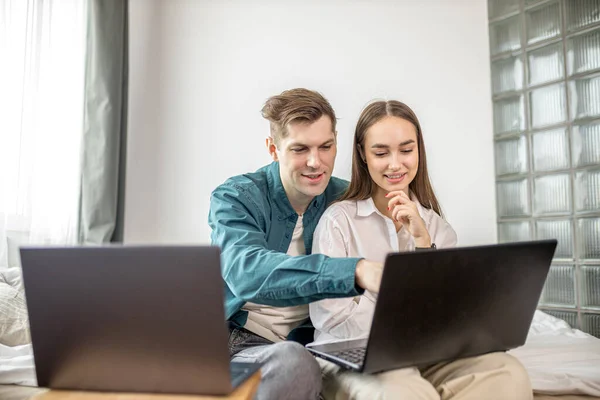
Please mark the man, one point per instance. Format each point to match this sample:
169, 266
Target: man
264, 223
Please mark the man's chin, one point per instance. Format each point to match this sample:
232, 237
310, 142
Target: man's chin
315, 190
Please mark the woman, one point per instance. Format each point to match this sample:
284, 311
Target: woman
390, 206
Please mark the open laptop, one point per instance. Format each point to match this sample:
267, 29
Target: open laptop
441, 305
130, 319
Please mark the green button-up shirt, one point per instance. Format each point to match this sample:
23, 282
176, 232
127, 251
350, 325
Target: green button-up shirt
252, 221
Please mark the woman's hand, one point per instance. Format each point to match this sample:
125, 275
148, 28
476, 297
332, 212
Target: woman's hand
405, 211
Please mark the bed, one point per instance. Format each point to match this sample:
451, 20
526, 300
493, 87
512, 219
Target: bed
560, 360
563, 363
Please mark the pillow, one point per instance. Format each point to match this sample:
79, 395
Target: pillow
14, 329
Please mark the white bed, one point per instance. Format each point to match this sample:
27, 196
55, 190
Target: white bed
560, 360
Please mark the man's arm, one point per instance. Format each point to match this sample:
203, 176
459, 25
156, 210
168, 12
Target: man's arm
259, 275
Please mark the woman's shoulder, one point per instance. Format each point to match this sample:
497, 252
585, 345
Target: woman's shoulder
439, 228
344, 207
339, 213
430, 216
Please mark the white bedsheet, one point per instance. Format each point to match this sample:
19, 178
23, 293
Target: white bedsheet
559, 359
16, 365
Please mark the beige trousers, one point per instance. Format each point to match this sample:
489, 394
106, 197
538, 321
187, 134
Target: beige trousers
495, 376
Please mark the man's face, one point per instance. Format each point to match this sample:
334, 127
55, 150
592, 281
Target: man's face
306, 158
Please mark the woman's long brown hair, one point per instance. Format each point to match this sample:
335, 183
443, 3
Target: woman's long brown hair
361, 185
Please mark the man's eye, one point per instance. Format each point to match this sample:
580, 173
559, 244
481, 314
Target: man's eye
326, 147
298, 150
407, 151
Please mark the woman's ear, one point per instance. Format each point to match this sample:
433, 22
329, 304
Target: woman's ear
272, 148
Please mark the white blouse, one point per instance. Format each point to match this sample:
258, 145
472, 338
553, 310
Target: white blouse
354, 228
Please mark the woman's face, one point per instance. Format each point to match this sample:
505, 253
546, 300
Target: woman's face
392, 154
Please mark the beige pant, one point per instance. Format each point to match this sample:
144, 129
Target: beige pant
495, 376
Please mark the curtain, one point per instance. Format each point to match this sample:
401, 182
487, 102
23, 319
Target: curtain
104, 135
63, 97
42, 65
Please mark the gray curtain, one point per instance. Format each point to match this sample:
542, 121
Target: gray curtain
105, 123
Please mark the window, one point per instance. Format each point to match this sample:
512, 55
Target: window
545, 66
42, 48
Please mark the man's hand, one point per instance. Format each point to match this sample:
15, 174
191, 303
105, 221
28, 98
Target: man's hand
368, 275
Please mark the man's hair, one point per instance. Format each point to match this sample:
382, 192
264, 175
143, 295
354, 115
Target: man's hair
295, 106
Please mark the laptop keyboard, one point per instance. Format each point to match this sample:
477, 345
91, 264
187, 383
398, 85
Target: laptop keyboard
355, 356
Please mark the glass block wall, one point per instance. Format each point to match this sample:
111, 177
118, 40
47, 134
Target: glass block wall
545, 67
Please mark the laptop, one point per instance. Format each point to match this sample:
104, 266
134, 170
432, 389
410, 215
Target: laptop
441, 305
130, 319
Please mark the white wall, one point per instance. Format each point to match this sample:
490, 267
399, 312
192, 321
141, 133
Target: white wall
200, 72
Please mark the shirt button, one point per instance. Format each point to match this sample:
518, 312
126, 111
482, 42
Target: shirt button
287, 235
